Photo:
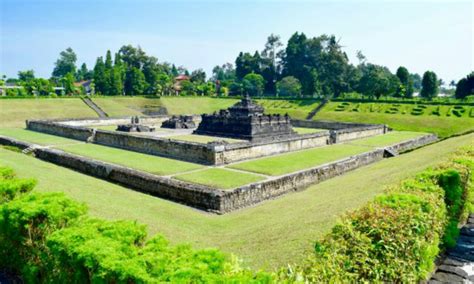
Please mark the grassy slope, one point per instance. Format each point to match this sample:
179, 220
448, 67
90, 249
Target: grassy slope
387, 139
297, 109
36, 137
442, 125
195, 105
14, 112
220, 178
152, 164
271, 234
125, 106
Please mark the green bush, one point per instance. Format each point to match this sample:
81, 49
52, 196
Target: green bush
46, 238
25, 222
396, 237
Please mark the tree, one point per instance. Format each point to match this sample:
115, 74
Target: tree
377, 81
416, 78
246, 64
224, 73
134, 82
65, 64
67, 82
289, 87
83, 73
465, 87
253, 84
26, 76
271, 62
198, 76
406, 81
429, 85
100, 78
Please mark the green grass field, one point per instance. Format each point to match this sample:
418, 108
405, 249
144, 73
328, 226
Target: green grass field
302, 130
195, 105
297, 109
404, 117
387, 139
295, 161
220, 178
127, 106
15, 111
36, 137
148, 163
269, 235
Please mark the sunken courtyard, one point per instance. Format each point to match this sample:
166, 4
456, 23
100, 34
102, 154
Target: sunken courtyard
259, 155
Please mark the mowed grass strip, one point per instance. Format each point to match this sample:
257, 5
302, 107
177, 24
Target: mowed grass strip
304, 130
36, 137
123, 106
220, 178
387, 139
15, 111
195, 105
292, 162
148, 163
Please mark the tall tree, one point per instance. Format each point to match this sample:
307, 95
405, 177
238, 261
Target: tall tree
65, 64
406, 81
225, 72
26, 76
83, 73
198, 76
100, 78
429, 85
134, 82
253, 84
271, 62
246, 64
465, 87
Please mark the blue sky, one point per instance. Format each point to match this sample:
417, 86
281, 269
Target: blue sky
424, 35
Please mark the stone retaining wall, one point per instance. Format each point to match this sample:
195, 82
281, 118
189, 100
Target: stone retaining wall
59, 129
203, 197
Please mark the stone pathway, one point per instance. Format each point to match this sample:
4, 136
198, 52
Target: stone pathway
317, 109
100, 112
458, 266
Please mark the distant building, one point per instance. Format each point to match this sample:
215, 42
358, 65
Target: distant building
86, 84
177, 82
4, 88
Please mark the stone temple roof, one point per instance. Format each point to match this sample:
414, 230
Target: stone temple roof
246, 107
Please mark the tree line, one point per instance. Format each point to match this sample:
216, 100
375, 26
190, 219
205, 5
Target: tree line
305, 67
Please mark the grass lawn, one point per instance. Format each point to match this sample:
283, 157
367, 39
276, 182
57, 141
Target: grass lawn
269, 235
14, 112
400, 117
203, 138
386, 139
195, 105
127, 106
297, 109
302, 130
220, 178
148, 163
295, 161
36, 137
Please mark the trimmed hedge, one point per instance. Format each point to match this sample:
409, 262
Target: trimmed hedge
48, 238
397, 236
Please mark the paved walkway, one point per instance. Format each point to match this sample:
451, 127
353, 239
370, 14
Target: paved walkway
95, 107
458, 266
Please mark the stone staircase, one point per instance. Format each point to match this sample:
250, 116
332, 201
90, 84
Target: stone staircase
317, 109
95, 107
458, 265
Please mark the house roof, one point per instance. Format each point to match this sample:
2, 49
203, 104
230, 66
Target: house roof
181, 77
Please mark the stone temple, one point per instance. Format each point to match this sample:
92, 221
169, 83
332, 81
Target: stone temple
245, 120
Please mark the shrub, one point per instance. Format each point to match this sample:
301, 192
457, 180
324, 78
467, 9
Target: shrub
396, 237
99, 252
25, 222
10, 186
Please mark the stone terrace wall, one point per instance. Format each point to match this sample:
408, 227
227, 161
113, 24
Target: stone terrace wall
243, 151
183, 150
258, 192
156, 119
209, 154
204, 197
326, 124
194, 195
56, 128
